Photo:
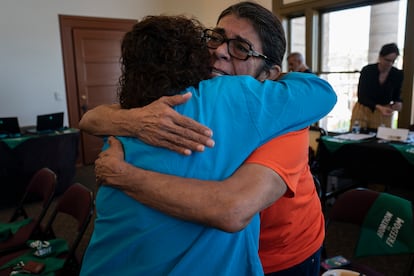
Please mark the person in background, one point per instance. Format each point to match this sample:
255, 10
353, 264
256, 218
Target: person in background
379, 91
296, 63
276, 175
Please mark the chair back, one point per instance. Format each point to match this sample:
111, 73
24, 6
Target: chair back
315, 133
42, 187
318, 186
352, 206
384, 227
76, 202
70, 217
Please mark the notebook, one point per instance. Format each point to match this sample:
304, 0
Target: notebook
47, 123
9, 126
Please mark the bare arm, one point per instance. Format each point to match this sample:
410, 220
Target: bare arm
156, 124
220, 204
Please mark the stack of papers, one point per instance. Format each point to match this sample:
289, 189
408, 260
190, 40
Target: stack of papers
355, 136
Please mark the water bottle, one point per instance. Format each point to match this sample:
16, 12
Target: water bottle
356, 128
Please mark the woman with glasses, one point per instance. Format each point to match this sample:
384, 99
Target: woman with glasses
379, 91
275, 180
237, 47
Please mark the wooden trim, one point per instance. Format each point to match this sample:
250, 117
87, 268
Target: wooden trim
406, 116
67, 24
300, 7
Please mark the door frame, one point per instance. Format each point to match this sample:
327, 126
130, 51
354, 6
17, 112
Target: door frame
67, 23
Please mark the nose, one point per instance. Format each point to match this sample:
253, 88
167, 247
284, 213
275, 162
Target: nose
222, 52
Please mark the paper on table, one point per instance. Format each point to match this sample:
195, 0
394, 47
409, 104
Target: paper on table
354, 136
393, 134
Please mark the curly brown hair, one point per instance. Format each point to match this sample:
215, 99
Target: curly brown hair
161, 56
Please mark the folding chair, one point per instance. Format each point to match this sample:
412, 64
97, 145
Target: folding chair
315, 133
74, 210
373, 230
41, 187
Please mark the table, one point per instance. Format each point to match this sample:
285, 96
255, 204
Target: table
21, 157
370, 161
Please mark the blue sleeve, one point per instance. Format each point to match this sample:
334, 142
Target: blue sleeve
242, 104
292, 103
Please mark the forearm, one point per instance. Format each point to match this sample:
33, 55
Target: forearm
156, 124
109, 120
220, 204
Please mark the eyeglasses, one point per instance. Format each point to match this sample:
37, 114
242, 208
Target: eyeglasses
237, 47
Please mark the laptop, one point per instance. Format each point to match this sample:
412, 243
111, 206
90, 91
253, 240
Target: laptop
48, 123
9, 127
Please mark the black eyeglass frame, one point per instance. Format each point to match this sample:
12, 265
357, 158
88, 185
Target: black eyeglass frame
250, 52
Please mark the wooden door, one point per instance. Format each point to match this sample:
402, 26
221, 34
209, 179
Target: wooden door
97, 64
91, 52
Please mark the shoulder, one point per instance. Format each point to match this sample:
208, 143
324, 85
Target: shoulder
370, 70
370, 67
397, 71
298, 76
229, 79
227, 86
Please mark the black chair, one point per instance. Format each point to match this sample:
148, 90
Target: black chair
317, 186
326, 193
347, 218
74, 210
41, 187
315, 134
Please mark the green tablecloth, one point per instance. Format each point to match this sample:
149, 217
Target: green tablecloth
333, 144
52, 262
15, 141
6, 229
407, 150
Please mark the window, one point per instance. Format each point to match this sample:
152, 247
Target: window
298, 39
351, 39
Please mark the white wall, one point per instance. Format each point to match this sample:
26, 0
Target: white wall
205, 10
31, 67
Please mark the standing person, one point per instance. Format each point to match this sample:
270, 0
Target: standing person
296, 63
277, 174
379, 91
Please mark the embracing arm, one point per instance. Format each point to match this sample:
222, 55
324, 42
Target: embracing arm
156, 124
105, 119
192, 199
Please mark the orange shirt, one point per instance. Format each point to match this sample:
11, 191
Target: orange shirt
291, 229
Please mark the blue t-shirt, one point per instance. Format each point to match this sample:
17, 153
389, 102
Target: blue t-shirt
132, 239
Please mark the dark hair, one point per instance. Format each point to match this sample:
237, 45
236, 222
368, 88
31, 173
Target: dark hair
389, 49
266, 24
161, 56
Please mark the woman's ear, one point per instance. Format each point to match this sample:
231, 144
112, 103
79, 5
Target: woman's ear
270, 74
